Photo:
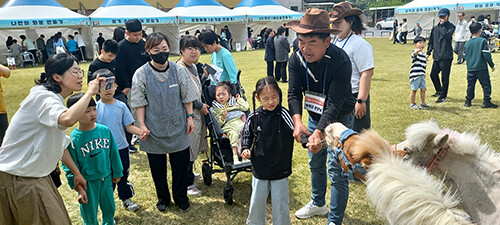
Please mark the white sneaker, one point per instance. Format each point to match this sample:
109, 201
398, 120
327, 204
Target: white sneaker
193, 190
414, 106
310, 210
331, 223
130, 205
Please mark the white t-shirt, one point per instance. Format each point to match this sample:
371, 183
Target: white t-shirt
361, 55
79, 40
34, 141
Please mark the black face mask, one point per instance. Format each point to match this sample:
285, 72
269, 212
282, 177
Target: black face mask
160, 58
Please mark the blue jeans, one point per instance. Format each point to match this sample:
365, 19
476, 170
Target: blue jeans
339, 184
279, 201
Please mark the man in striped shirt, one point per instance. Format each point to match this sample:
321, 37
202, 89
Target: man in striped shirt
417, 73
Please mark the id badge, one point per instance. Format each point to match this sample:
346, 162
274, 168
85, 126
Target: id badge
314, 102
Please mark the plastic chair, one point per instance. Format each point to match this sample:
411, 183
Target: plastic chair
28, 58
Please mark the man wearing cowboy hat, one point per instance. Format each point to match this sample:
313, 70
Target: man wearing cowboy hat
320, 74
348, 20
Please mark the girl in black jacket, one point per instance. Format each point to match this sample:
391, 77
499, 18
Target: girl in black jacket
267, 139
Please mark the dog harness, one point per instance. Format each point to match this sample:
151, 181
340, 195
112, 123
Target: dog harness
354, 172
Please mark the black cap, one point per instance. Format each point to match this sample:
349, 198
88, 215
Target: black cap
133, 25
444, 12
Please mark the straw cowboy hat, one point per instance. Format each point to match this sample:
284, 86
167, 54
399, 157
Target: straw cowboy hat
315, 20
344, 9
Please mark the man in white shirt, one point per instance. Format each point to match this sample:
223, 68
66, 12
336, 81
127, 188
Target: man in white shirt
404, 31
81, 45
462, 34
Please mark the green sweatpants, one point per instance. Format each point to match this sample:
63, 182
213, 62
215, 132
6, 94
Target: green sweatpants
99, 193
233, 128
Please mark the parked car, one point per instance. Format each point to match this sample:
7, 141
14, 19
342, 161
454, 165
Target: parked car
385, 24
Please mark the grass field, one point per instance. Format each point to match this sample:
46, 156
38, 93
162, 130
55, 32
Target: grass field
390, 115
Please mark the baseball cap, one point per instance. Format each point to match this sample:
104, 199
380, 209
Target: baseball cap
444, 12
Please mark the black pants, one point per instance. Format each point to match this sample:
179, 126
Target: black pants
395, 37
365, 121
270, 68
403, 37
44, 55
82, 52
484, 79
179, 163
125, 188
190, 175
280, 71
443, 66
4, 123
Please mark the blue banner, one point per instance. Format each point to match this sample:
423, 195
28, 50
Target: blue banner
208, 19
42, 23
121, 21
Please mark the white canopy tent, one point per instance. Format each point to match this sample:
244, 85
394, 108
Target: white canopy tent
266, 13
113, 13
425, 12
208, 14
34, 17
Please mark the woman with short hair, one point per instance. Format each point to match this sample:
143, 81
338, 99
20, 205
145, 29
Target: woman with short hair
163, 99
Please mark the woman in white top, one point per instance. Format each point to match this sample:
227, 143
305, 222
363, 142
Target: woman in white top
34, 143
348, 20
190, 48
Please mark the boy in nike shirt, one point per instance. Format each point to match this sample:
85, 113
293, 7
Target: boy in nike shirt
95, 153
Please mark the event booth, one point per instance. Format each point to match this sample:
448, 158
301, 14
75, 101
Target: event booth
114, 13
266, 13
195, 15
425, 12
32, 18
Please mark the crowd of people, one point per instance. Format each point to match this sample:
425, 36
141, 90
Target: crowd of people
40, 49
330, 71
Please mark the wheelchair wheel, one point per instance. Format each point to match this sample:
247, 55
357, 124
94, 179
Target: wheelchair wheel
228, 194
207, 174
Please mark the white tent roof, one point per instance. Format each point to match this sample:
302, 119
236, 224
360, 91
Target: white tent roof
265, 10
17, 14
116, 12
423, 6
204, 11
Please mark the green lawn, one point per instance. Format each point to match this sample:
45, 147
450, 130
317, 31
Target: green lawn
390, 115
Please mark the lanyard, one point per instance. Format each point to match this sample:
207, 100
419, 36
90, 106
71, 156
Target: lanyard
324, 78
344, 42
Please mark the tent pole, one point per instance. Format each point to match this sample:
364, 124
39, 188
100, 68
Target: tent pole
92, 39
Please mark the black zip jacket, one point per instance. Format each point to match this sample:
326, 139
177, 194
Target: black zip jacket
440, 41
339, 99
269, 136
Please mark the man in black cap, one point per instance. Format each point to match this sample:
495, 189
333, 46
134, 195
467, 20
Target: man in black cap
131, 55
440, 42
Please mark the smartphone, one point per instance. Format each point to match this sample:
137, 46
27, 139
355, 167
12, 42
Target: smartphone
106, 84
209, 69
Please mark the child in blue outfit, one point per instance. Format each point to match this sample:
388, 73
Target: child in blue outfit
94, 152
118, 118
268, 141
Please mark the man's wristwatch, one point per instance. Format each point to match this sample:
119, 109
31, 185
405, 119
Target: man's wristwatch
361, 100
190, 115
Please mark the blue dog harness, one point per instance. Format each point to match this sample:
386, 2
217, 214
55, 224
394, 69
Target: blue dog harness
354, 172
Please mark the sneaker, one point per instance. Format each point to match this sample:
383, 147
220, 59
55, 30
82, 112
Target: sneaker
437, 94
130, 205
310, 210
441, 100
185, 210
132, 149
414, 106
193, 190
488, 104
135, 140
468, 103
424, 106
161, 206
